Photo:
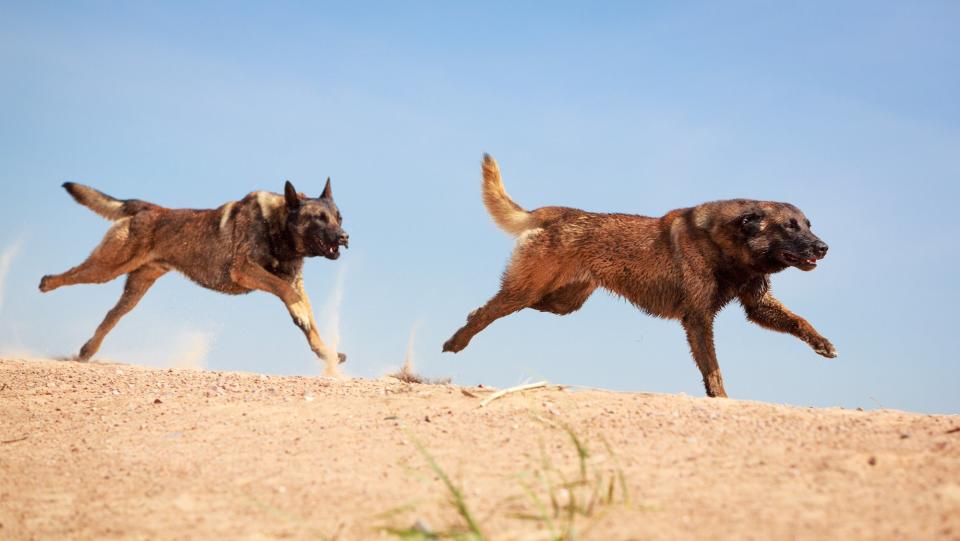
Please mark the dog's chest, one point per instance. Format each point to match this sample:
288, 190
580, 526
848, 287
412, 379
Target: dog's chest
284, 269
729, 285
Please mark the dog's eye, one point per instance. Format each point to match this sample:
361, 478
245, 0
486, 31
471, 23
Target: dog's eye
339, 219
793, 224
324, 218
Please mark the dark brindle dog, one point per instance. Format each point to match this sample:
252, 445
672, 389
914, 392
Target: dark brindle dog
686, 265
258, 242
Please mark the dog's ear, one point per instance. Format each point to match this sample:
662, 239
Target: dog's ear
327, 191
749, 222
290, 196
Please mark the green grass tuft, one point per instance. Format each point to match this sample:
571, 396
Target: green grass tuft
566, 509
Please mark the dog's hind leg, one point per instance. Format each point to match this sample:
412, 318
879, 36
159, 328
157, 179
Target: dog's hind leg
117, 254
700, 336
565, 300
525, 281
138, 282
504, 303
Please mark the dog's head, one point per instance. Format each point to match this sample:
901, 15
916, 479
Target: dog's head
768, 236
314, 225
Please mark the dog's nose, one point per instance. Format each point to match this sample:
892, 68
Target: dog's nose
820, 248
344, 238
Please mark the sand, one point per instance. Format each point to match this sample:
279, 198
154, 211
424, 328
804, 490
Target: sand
103, 451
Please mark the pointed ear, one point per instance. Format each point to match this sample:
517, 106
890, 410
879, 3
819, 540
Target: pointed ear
327, 192
290, 196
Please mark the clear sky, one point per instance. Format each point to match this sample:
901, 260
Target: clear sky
850, 110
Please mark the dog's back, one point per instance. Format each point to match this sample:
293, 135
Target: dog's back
199, 243
626, 254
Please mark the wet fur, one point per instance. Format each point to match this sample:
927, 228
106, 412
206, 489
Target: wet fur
257, 243
685, 265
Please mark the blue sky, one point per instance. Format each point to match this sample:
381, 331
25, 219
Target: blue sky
847, 109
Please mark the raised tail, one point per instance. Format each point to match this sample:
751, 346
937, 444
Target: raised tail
104, 205
508, 215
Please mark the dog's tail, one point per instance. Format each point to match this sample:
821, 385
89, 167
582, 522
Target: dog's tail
508, 215
104, 205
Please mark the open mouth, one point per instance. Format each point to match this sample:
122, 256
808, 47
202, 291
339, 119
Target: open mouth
330, 251
801, 263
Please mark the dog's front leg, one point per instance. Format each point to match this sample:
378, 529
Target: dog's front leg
313, 337
253, 276
770, 313
700, 336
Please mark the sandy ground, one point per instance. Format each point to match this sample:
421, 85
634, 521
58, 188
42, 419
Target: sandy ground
119, 451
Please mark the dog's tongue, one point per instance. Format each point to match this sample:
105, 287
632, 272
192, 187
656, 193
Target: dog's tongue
810, 261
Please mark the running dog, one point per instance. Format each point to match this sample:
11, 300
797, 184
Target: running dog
257, 243
685, 265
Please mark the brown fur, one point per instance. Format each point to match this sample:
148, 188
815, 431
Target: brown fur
257, 243
685, 265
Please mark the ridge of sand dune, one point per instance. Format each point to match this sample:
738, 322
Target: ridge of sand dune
121, 451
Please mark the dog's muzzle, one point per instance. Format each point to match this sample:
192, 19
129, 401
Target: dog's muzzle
807, 259
330, 249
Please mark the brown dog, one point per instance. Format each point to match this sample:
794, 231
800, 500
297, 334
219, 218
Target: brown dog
258, 242
686, 265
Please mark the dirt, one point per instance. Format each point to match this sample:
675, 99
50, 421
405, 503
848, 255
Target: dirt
101, 451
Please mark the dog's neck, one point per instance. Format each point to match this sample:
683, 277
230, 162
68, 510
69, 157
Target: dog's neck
282, 245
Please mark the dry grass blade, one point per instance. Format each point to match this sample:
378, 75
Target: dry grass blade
509, 390
406, 377
410, 377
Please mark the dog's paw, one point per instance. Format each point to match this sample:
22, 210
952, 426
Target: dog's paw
823, 347
301, 315
86, 352
45, 284
342, 357
453, 345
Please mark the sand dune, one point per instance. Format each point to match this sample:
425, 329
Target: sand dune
121, 451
